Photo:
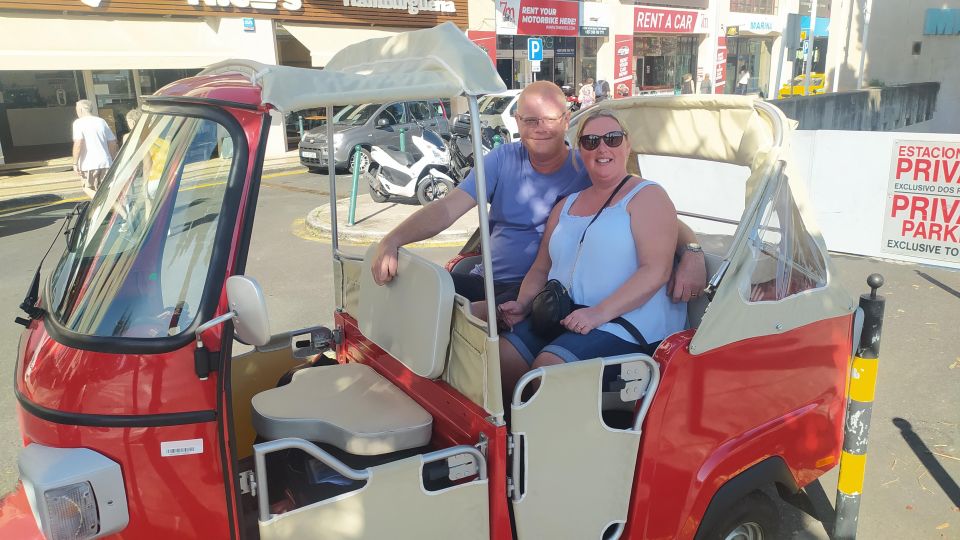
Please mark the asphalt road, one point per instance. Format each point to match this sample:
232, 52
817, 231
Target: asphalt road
913, 465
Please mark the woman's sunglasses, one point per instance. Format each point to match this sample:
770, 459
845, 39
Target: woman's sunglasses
592, 142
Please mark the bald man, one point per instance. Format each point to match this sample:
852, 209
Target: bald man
524, 181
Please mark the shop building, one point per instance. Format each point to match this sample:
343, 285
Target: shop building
670, 43
53, 53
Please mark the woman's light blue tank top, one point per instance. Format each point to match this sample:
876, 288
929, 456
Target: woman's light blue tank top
607, 259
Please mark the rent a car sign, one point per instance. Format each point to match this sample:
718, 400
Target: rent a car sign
923, 201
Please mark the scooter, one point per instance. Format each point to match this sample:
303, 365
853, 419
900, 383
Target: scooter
421, 171
461, 147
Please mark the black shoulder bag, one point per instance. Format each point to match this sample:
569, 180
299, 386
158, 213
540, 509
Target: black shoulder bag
553, 303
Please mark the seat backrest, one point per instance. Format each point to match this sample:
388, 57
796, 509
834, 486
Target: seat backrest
696, 308
408, 317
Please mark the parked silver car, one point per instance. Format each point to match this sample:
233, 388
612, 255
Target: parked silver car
371, 124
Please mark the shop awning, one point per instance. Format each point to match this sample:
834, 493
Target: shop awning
35, 43
325, 41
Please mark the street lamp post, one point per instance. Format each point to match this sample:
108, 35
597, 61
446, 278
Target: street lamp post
809, 60
867, 7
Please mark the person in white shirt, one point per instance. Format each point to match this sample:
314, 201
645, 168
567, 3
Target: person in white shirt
743, 80
94, 147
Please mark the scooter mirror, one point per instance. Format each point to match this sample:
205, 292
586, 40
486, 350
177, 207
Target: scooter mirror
383, 122
250, 321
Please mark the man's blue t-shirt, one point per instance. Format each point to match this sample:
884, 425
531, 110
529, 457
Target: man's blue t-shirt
520, 202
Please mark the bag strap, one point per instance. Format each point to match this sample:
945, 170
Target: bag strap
625, 324
606, 204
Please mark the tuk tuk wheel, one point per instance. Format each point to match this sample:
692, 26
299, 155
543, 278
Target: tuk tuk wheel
754, 517
432, 188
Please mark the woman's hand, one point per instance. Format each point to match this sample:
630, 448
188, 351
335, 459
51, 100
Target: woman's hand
583, 320
512, 312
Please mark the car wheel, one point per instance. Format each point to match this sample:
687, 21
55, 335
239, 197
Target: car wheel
432, 188
364, 160
754, 517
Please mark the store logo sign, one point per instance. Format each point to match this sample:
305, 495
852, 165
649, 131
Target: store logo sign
264, 5
761, 26
412, 7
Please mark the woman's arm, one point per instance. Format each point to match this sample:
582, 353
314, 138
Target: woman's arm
653, 222
536, 278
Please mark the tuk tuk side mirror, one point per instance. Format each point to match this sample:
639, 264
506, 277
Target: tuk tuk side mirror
248, 310
250, 321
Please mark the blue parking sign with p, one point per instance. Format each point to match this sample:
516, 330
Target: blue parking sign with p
534, 49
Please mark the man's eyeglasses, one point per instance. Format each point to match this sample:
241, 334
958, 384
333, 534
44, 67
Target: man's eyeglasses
592, 142
534, 121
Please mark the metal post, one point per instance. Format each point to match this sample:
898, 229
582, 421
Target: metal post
809, 60
332, 174
353, 190
300, 124
403, 139
486, 256
863, 382
867, 6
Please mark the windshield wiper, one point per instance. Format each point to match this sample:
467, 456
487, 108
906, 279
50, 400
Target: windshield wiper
29, 304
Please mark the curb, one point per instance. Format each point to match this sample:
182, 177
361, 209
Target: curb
318, 225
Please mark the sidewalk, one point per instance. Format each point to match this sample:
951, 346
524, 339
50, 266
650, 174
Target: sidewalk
54, 180
374, 220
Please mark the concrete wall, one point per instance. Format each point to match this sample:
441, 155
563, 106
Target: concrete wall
875, 109
847, 176
894, 27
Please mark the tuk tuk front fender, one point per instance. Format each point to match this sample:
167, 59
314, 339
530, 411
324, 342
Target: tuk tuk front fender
16, 516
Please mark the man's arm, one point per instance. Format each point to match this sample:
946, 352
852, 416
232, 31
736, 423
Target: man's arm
77, 149
689, 279
422, 224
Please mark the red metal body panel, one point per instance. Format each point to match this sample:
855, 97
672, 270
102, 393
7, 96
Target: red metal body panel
718, 413
456, 419
224, 87
16, 518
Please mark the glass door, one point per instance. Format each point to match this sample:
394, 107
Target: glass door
116, 94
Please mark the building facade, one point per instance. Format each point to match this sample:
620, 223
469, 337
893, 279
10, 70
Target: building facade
53, 53
905, 42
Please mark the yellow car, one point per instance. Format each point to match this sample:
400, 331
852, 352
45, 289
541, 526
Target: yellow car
798, 88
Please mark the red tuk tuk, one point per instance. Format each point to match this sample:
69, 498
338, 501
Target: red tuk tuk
139, 421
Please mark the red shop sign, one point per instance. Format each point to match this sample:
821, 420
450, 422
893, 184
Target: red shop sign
672, 21
548, 18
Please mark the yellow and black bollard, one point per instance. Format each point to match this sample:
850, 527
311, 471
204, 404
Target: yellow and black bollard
863, 383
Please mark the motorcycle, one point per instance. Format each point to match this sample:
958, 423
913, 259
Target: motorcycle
421, 171
461, 148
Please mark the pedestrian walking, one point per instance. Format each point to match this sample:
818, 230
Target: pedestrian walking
743, 79
706, 85
686, 84
601, 90
587, 95
94, 147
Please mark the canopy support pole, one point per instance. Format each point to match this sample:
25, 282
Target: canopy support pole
484, 218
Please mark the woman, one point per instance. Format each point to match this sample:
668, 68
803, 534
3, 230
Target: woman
617, 264
587, 95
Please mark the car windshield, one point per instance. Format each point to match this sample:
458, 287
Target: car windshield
356, 115
137, 262
496, 104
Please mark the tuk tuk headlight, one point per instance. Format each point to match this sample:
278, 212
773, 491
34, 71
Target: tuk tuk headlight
75, 493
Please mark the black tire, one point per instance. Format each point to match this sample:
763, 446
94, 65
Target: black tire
754, 517
375, 194
316, 170
432, 188
364, 161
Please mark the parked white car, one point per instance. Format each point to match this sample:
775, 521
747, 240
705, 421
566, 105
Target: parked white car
499, 110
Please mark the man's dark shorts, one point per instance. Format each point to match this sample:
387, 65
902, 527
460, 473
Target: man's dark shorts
470, 286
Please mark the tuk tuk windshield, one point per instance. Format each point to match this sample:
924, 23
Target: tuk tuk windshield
137, 262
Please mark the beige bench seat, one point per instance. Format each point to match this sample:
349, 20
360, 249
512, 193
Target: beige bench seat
350, 406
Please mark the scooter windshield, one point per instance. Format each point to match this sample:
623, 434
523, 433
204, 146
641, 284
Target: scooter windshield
136, 263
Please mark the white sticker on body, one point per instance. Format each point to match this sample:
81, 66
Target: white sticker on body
181, 448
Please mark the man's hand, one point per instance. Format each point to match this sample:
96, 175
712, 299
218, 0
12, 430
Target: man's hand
689, 279
384, 266
512, 312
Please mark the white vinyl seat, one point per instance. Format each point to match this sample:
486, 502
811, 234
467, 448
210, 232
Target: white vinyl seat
350, 406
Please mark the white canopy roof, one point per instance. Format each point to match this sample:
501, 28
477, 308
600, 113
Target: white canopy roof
438, 62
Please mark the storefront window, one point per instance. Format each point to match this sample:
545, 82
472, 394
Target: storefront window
662, 61
567, 61
36, 112
766, 7
754, 53
116, 95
